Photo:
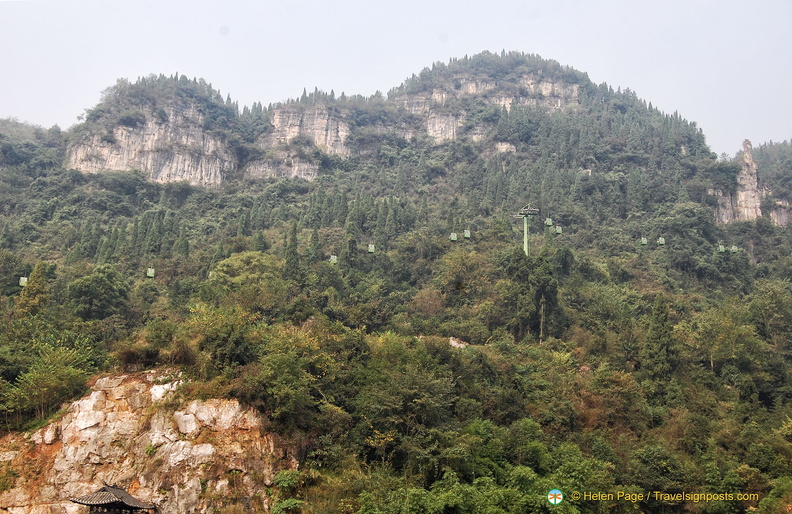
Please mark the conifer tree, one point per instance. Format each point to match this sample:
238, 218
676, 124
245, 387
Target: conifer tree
182, 245
291, 267
241, 226
259, 243
659, 356
348, 257
314, 253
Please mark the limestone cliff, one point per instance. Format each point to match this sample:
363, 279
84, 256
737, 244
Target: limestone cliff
531, 90
438, 112
282, 164
176, 129
781, 213
196, 457
318, 124
170, 147
745, 203
748, 200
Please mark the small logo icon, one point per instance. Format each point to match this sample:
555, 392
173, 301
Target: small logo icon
555, 497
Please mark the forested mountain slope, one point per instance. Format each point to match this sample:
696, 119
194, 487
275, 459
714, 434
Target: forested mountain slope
341, 242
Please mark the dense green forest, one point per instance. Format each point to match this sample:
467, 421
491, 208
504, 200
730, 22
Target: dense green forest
596, 363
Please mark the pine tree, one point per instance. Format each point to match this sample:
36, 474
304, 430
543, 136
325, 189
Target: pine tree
291, 268
260, 244
153, 239
659, 357
314, 253
340, 207
241, 226
182, 245
349, 257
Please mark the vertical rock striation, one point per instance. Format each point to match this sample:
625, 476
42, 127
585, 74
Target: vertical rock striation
745, 203
184, 139
748, 203
169, 150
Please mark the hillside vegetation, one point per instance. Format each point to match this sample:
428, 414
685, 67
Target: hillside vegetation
596, 363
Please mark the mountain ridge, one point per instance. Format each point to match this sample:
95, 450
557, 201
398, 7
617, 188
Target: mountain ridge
431, 105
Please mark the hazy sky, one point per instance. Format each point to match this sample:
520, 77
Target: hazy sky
724, 64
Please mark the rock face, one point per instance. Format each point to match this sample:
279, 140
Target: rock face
748, 200
282, 165
169, 148
325, 129
781, 213
532, 91
195, 458
173, 144
745, 203
322, 127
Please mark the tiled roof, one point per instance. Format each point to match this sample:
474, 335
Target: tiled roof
109, 494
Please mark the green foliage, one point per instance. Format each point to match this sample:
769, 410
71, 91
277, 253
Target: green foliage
98, 295
8, 476
35, 295
223, 333
289, 505
287, 479
56, 375
594, 363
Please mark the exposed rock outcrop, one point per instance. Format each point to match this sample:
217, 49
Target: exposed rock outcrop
531, 91
745, 203
196, 458
325, 129
748, 199
169, 148
173, 142
442, 127
781, 213
282, 164
321, 126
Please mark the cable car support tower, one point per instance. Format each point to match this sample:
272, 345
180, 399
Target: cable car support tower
525, 213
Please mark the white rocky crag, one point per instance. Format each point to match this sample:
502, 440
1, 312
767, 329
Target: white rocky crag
748, 201
781, 213
174, 146
196, 458
325, 129
745, 203
167, 150
534, 91
282, 164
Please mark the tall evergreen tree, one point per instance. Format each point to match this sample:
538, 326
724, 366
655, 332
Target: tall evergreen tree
291, 267
659, 357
